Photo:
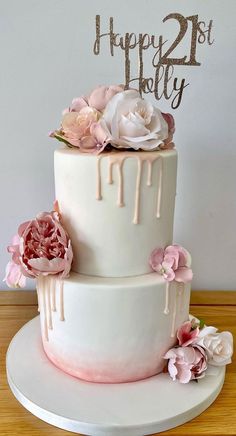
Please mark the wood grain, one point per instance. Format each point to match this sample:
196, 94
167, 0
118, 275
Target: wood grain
215, 298
207, 298
216, 308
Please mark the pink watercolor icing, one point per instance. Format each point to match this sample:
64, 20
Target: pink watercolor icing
109, 372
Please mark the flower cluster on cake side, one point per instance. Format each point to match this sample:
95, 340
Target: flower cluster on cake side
198, 346
112, 117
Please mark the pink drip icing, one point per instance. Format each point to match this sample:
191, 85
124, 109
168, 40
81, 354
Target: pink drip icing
119, 159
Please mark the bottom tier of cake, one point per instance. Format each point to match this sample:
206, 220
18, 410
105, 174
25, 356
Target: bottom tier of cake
110, 329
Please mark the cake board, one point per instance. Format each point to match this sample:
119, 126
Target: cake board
128, 409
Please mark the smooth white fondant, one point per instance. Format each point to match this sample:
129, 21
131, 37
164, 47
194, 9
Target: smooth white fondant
131, 409
105, 240
115, 329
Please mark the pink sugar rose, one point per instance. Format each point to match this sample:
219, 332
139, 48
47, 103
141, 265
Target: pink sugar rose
76, 105
186, 363
186, 334
41, 247
101, 95
83, 130
76, 125
14, 277
173, 263
97, 99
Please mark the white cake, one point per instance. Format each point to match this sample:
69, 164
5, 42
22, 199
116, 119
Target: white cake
113, 319
113, 289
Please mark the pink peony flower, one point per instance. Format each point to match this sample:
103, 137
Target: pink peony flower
186, 334
186, 363
173, 263
41, 247
14, 277
101, 95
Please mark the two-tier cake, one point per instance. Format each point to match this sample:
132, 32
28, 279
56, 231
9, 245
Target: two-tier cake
120, 311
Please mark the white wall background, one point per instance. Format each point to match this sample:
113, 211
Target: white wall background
47, 59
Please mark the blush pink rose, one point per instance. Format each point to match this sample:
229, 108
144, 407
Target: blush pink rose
83, 130
97, 99
101, 95
77, 104
76, 125
42, 247
186, 334
186, 363
173, 263
14, 277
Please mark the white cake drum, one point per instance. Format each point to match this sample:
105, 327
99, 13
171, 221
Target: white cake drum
116, 207
111, 329
125, 409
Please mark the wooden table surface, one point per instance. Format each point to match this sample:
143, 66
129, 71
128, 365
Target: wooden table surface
217, 308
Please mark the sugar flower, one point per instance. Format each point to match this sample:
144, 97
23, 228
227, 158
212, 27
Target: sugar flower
134, 123
112, 116
173, 263
41, 247
14, 277
187, 333
218, 346
101, 95
198, 347
186, 363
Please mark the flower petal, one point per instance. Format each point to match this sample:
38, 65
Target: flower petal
156, 258
183, 275
14, 277
186, 335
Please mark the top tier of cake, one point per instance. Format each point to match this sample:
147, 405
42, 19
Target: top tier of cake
117, 207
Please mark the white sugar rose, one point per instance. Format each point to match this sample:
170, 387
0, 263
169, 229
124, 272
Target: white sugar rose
218, 346
131, 122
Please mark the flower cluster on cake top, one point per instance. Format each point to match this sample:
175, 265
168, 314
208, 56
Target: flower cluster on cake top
199, 346
111, 116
